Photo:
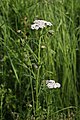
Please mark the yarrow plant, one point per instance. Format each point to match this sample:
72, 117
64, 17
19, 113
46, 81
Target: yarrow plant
52, 84
40, 24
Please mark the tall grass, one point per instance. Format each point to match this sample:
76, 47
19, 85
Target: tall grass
25, 65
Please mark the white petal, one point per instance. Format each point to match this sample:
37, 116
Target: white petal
34, 26
43, 46
49, 23
50, 81
57, 85
49, 85
41, 25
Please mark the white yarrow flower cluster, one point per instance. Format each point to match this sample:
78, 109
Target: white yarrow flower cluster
52, 84
39, 24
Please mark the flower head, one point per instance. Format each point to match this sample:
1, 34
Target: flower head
40, 24
52, 84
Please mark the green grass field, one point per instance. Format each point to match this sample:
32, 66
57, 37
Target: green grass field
30, 57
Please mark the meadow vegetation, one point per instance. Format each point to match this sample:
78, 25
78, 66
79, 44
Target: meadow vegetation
30, 57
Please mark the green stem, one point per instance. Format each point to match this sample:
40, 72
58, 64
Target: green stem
37, 80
